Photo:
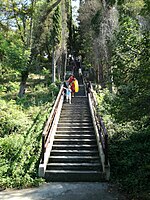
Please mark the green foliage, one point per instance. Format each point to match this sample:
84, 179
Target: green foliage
22, 162
9, 87
56, 33
22, 119
129, 148
10, 147
111, 2
86, 49
129, 156
133, 7
13, 54
21, 125
13, 119
104, 99
53, 89
146, 8
95, 22
20, 153
130, 68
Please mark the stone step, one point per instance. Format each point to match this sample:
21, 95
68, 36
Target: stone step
74, 159
75, 147
76, 132
73, 176
75, 113
73, 107
89, 128
66, 120
74, 156
79, 104
74, 124
85, 106
81, 98
74, 141
75, 119
74, 136
74, 166
74, 153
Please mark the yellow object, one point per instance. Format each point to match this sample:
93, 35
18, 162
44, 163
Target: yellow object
76, 85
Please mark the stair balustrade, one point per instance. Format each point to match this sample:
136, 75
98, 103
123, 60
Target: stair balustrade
49, 124
99, 122
70, 151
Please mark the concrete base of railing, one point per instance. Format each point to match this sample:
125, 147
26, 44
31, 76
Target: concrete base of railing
107, 172
42, 167
106, 168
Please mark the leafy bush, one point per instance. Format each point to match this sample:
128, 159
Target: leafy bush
10, 147
130, 161
129, 148
13, 119
20, 140
53, 89
20, 154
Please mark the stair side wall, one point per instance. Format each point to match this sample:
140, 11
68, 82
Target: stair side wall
42, 167
106, 169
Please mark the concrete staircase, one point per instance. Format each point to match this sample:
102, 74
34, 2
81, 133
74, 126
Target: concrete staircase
74, 156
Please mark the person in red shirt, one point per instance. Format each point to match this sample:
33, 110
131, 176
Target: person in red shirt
71, 79
71, 82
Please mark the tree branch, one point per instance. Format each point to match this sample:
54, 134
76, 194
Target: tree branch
49, 10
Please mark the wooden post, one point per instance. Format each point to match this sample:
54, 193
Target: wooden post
106, 149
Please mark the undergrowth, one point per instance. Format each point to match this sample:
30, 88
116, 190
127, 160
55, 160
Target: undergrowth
129, 149
21, 125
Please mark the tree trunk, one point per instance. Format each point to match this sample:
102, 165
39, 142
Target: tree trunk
101, 75
59, 68
24, 77
53, 66
64, 63
109, 78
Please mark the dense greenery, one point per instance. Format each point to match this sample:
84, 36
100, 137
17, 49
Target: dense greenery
33, 37
21, 126
129, 147
126, 110
113, 41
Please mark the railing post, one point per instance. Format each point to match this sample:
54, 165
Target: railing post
106, 149
43, 148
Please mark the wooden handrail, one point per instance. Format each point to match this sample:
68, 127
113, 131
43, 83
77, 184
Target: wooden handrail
47, 129
99, 122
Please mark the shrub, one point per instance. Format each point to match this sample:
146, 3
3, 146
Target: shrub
129, 148
13, 119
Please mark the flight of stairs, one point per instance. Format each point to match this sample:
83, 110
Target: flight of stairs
74, 156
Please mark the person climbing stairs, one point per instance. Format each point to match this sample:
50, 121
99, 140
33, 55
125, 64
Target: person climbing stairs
74, 156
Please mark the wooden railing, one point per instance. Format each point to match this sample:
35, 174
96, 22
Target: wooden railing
49, 124
99, 122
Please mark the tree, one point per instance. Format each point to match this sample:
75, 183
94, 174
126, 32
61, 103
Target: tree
130, 67
38, 27
101, 19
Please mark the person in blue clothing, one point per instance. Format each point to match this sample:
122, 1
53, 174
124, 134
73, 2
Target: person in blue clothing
68, 94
